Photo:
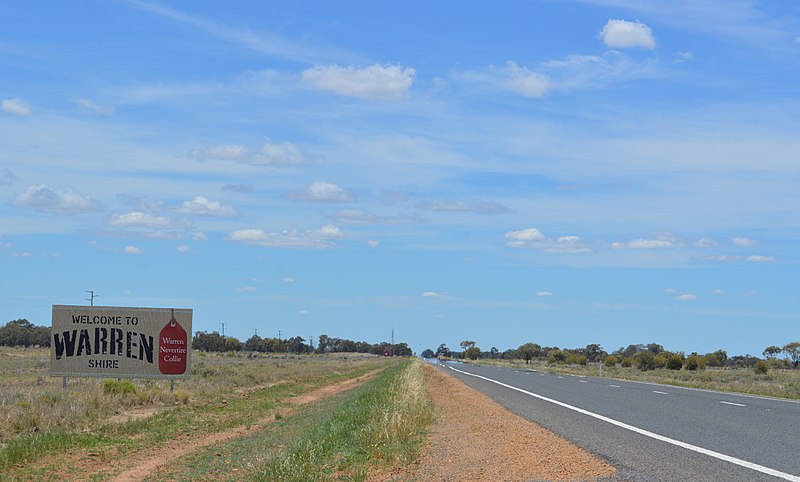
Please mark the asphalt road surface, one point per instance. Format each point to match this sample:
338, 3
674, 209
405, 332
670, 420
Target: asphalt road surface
654, 432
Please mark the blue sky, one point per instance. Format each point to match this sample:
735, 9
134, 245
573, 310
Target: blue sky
571, 172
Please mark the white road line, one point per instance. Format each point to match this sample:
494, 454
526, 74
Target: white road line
583, 381
660, 393
560, 377
615, 386
694, 448
735, 404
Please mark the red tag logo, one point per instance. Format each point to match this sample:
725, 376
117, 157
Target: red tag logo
172, 348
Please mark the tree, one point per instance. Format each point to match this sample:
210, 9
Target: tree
771, 352
494, 352
594, 352
472, 352
252, 343
402, 349
792, 351
466, 344
23, 333
428, 353
442, 351
645, 360
529, 351
204, 341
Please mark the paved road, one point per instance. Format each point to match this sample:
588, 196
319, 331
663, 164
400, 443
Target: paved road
654, 432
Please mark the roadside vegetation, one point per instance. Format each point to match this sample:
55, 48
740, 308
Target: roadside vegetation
42, 424
776, 374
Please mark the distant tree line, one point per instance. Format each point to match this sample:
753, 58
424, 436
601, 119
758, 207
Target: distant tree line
23, 333
644, 357
213, 341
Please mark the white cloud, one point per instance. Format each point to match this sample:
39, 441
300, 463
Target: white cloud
670, 290
89, 107
303, 312
132, 250
287, 279
533, 238
524, 236
760, 259
544, 293
323, 192
431, 294
243, 188
718, 292
682, 57
315, 239
686, 297
372, 243
663, 241
373, 82
55, 200
202, 206
624, 34
246, 289
705, 243
356, 216
182, 248
284, 154
477, 207
6, 177
523, 81
743, 242
15, 107
140, 219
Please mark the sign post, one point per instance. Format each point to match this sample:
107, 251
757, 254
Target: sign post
117, 342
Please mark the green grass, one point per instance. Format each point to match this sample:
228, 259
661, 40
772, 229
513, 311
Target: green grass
379, 427
781, 383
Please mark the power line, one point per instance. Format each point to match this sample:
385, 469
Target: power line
91, 297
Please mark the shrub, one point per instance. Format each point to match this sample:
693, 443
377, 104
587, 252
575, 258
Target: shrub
610, 361
761, 367
627, 362
662, 359
575, 359
695, 362
556, 356
645, 360
119, 387
675, 362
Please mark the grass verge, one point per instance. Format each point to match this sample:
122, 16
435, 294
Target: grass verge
379, 428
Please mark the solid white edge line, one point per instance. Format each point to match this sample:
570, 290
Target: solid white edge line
694, 448
732, 403
660, 393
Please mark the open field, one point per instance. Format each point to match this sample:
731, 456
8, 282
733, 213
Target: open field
85, 430
781, 383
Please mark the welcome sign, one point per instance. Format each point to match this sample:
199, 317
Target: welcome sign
116, 342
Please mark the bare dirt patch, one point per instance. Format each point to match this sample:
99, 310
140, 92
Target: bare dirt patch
149, 461
476, 439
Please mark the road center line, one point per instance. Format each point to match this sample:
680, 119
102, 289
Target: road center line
734, 404
646, 433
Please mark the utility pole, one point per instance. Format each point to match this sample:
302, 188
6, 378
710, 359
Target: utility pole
223, 330
255, 331
392, 336
279, 335
91, 297
311, 342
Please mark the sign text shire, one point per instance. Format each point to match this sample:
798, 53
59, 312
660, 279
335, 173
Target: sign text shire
116, 342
